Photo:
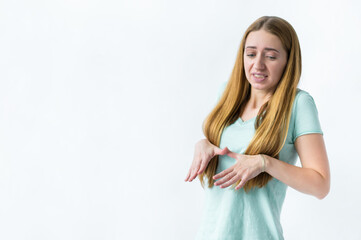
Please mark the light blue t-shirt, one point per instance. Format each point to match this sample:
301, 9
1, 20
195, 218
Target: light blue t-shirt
230, 214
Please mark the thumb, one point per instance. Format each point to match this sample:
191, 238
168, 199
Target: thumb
223, 151
226, 151
232, 154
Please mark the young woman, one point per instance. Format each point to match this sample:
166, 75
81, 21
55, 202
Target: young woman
259, 126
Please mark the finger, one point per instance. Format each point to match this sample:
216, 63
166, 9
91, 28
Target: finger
193, 167
241, 184
225, 179
223, 173
193, 175
243, 181
194, 171
231, 181
188, 175
191, 171
202, 167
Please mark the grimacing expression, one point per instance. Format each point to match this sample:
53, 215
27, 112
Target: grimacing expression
264, 60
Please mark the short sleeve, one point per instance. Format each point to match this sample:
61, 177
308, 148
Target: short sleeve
306, 116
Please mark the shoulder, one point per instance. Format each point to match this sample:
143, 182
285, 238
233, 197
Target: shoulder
303, 101
304, 118
302, 95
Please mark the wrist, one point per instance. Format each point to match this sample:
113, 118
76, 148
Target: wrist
263, 162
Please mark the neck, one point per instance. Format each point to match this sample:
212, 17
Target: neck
258, 98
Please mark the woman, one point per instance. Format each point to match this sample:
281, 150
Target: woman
253, 135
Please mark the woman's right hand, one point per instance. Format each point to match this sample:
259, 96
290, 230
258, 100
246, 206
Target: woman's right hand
204, 151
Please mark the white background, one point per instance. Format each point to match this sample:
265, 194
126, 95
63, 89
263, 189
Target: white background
101, 103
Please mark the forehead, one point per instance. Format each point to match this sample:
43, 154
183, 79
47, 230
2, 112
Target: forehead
262, 39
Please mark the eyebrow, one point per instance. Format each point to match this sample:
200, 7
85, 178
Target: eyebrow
267, 49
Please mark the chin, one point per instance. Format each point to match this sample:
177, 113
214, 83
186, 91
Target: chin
261, 87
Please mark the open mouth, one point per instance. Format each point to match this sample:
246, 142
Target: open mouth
259, 77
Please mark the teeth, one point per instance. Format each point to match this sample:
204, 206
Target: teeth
259, 76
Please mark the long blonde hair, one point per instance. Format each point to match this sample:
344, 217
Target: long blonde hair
273, 117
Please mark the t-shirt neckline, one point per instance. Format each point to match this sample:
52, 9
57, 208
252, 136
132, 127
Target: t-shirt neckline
240, 120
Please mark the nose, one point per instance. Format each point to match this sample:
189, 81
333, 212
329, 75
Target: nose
259, 63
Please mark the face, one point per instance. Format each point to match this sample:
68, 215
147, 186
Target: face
264, 60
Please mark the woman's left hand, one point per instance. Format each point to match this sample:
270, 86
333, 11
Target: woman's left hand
245, 168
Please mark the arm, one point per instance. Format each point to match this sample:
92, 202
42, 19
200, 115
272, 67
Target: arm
312, 178
314, 175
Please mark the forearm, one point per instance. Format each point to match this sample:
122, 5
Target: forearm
305, 180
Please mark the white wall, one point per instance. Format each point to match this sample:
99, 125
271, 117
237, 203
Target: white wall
101, 103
